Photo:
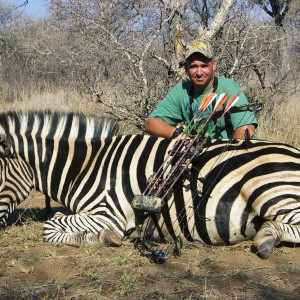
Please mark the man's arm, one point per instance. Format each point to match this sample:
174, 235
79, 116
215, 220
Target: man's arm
158, 127
244, 132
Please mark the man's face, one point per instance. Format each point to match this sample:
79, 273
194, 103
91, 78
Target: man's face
200, 70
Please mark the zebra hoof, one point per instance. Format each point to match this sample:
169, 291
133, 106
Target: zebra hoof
109, 238
265, 249
265, 239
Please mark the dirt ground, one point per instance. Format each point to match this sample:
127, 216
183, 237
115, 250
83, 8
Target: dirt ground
33, 269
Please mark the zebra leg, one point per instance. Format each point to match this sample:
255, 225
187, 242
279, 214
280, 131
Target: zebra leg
48, 206
272, 233
78, 229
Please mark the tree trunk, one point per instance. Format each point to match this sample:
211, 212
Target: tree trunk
218, 21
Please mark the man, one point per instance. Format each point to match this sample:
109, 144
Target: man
183, 100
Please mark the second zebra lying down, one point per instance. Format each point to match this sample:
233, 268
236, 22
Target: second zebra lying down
236, 191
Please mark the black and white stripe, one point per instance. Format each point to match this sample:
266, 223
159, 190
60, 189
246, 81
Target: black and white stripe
235, 186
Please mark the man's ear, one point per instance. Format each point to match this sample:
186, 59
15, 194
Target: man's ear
214, 62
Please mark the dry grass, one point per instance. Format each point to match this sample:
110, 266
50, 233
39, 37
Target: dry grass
56, 100
32, 269
64, 101
279, 120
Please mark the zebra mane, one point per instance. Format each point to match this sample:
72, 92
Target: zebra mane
62, 125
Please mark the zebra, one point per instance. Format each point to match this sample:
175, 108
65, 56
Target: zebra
21, 130
236, 190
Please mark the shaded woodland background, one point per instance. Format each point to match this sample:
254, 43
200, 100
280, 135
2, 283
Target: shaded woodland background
121, 57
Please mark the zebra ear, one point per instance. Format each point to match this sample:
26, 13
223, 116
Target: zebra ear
5, 146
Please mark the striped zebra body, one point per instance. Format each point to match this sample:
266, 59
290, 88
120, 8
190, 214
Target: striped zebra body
235, 189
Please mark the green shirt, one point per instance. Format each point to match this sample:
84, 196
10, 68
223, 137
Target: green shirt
179, 103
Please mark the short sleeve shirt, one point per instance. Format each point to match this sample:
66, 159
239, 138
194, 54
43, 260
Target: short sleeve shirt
180, 105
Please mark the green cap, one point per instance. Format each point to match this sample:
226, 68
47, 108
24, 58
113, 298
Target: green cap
199, 46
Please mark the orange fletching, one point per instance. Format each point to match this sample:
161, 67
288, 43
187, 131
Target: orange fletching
230, 101
221, 101
233, 99
206, 101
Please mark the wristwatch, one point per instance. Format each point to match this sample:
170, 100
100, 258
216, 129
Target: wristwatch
177, 132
